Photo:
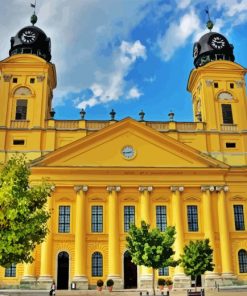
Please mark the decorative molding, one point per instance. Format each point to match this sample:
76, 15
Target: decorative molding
238, 198
40, 78
209, 82
7, 77
177, 188
204, 188
113, 188
23, 91
224, 188
78, 188
239, 83
145, 188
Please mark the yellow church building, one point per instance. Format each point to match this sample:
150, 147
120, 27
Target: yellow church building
107, 174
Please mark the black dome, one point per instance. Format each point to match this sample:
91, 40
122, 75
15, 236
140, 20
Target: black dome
31, 40
212, 46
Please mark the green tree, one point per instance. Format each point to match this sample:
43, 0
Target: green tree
23, 217
151, 248
197, 258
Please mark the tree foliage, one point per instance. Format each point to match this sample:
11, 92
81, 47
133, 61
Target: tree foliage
23, 217
197, 258
151, 248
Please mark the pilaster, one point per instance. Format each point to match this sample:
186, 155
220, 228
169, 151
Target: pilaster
80, 277
114, 260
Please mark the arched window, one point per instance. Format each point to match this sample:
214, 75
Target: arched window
22, 93
97, 264
227, 113
242, 261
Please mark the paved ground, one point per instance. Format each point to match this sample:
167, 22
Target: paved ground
232, 292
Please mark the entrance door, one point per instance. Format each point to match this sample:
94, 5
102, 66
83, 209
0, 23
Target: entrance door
63, 271
130, 272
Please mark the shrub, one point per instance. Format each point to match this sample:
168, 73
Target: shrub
100, 283
109, 283
161, 282
169, 282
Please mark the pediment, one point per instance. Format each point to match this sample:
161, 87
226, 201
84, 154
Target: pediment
104, 149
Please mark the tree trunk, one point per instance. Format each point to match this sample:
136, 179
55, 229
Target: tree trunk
195, 282
153, 281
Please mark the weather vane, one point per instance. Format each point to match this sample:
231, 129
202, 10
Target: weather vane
210, 24
34, 17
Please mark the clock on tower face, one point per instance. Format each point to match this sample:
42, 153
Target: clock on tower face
28, 36
217, 41
196, 50
128, 152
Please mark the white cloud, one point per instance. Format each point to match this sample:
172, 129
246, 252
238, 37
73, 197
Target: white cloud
112, 86
134, 93
177, 34
182, 4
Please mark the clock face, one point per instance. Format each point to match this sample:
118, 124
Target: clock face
28, 36
196, 50
217, 41
128, 152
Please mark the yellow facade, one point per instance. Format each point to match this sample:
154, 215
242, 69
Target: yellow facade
176, 166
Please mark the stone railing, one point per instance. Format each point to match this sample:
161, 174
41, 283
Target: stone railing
96, 124
67, 124
229, 127
158, 125
19, 124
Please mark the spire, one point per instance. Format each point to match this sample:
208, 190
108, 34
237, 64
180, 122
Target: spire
34, 17
210, 24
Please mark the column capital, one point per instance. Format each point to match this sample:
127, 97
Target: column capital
224, 188
113, 188
145, 188
210, 188
177, 188
78, 188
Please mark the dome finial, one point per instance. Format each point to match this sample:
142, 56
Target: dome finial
34, 17
210, 24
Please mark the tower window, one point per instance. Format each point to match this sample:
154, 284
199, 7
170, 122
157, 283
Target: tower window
21, 110
216, 84
18, 142
15, 80
32, 80
231, 85
230, 145
227, 113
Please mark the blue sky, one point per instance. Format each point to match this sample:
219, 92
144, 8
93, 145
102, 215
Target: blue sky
125, 55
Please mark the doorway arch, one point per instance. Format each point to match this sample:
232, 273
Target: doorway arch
63, 271
130, 272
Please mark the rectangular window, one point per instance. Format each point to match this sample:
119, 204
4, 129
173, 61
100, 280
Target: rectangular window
192, 218
15, 80
230, 145
97, 219
64, 219
227, 113
161, 222
32, 80
216, 85
21, 110
18, 142
231, 85
11, 271
129, 217
239, 217
164, 271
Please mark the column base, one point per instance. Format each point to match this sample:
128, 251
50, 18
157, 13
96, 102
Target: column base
118, 281
44, 282
228, 278
28, 282
181, 280
145, 281
211, 279
81, 283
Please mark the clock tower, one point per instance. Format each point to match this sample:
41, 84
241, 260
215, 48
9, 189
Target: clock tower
27, 81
